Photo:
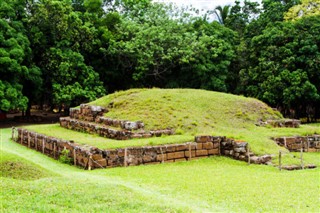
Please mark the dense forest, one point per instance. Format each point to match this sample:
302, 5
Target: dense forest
65, 52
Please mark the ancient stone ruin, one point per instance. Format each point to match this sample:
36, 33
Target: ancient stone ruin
90, 119
298, 143
289, 123
92, 157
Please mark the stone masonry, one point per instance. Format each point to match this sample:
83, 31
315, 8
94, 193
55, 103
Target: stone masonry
92, 157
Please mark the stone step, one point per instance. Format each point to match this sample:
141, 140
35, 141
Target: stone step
108, 132
95, 114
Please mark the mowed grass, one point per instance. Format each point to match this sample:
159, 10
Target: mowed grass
197, 112
104, 143
215, 184
190, 111
15, 167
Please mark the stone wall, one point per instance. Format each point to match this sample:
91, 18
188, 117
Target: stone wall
105, 131
90, 119
95, 114
92, 157
87, 112
289, 123
294, 144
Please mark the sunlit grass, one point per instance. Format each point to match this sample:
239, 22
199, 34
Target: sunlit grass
104, 143
215, 184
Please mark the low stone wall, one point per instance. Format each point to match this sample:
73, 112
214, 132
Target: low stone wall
123, 124
95, 114
91, 157
104, 131
291, 123
294, 144
87, 112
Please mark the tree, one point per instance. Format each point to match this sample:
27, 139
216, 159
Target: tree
305, 8
16, 68
222, 13
59, 37
167, 51
284, 69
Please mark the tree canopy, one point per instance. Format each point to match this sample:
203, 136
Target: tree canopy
64, 52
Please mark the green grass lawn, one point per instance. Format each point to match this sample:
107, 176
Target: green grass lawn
105, 143
207, 185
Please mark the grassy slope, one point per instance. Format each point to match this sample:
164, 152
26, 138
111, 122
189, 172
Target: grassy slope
206, 185
186, 110
15, 167
194, 112
190, 112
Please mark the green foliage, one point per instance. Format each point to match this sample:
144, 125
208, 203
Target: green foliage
14, 53
64, 157
61, 36
222, 13
154, 51
66, 52
305, 8
284, 67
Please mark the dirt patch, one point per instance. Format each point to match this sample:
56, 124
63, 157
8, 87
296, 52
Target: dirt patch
37, 117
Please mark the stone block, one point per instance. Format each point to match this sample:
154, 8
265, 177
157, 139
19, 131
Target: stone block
207, 145
96, 157
134, 160
170, 148
161, 157
242, 157
203, 139
289, 140
147, 158
187, 154
181, 147
199, 146
213, 152
265, 158
294, 146
255, 160
240, 150
179, 154
120, 152
216, 145
101, 162
201, 152
171, 155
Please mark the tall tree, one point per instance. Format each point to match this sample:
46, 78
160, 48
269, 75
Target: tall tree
284, 68
171, 51
305, 8
16, 68
222, 13
58, 38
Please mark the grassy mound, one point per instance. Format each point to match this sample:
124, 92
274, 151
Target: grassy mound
187, 111
12, 166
